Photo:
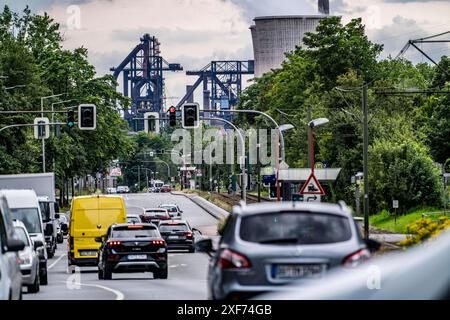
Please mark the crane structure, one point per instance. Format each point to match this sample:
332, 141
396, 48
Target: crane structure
222, 83
143, 79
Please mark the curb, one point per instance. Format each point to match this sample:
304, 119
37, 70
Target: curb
210, 208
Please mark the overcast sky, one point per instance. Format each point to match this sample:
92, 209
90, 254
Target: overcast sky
194, 32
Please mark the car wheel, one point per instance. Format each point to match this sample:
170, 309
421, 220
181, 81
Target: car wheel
100, 274
35, 287
192, 249
160, 274
43, 278
107, 273
50, 253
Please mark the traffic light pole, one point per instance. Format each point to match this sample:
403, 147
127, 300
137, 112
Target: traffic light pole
244, 176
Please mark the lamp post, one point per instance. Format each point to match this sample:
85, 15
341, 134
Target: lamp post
312, 124
42, 115
280, 130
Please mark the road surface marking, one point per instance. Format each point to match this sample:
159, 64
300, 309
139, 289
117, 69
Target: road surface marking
57, 260
119, 295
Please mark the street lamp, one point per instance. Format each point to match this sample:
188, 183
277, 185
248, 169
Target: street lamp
42, 115
280, 130
312, 124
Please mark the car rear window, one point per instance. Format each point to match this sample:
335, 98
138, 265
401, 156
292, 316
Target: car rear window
173, 227
134, 233
170, 209
295, 228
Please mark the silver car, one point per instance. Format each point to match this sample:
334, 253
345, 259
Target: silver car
28, 258
266, 246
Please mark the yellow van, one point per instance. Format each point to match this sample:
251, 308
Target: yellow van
90, 217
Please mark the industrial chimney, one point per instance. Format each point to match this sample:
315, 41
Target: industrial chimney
324, 7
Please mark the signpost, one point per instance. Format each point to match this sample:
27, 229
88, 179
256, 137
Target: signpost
395, 206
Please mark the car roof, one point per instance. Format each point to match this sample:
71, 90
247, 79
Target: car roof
20, 198
155, 209
266, 208
173, 222
119, 225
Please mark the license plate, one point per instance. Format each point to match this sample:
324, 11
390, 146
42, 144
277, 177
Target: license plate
137, 257
296, 271
174, 237
88, 253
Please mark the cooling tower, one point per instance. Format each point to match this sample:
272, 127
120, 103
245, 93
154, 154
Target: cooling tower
275, 35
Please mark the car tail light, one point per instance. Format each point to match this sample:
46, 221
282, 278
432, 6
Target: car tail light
114, 243
232, 260
188, 234
158, 242
357, 258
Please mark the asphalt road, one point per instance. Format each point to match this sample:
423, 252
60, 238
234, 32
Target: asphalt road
187, 271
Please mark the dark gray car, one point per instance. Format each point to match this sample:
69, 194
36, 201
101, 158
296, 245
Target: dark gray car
266, 246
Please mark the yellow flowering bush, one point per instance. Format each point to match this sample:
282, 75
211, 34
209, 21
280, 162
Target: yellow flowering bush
425, 229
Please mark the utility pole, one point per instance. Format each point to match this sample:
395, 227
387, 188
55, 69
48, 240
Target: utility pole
258, 147
308, 120
366, 160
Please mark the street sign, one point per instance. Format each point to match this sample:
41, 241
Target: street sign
395, 204
312, 198
283, 165
172, 179
269, 179
43, 130
115, 172
312, 186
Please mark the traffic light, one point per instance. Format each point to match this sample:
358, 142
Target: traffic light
71, 118
87, 117
41, 128
172, 116
190, 115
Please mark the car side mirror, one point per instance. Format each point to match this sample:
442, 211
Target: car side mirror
14, 245
196, 230
372, 245
205, 246
99, 239
37, 244
57, 216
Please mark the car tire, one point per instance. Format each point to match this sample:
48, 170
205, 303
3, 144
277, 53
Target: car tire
51, 253
60, 238
100, 274
107, 273
43, 278
192, 249
35, 287
161, 274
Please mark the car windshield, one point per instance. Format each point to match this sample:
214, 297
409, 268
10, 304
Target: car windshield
155, 213
133, 220
173, 227
30, 218
21, 235
295, 228
170, 208
135, 233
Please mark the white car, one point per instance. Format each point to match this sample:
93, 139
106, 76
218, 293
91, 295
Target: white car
10, 276
111, 190
133, 218
28, 258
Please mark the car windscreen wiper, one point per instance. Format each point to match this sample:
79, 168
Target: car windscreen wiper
279, 240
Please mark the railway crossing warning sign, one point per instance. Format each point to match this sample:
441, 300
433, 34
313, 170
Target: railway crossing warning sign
312, 187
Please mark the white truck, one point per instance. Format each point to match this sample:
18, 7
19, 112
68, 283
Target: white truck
44, 186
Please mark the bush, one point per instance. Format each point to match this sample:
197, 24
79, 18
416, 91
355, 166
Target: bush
425, 229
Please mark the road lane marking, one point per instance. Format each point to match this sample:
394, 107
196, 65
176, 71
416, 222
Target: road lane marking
119, 295
57, 260
178, 265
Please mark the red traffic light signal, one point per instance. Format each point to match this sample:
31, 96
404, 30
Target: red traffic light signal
172, 116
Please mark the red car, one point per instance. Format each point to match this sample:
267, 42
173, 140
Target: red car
154, 215
165, 188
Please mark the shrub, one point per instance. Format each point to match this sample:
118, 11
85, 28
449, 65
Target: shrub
425, 229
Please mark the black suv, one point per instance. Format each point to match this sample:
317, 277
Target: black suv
132, 248
178, 234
